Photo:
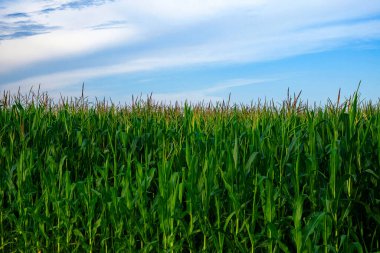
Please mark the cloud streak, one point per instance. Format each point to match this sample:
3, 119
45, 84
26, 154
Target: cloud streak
73, 5
56, 45
111, 25
17, 15
20, 29
210, 94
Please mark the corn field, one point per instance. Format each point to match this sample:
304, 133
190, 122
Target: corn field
148, 177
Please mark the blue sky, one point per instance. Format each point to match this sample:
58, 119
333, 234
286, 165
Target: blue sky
191, 50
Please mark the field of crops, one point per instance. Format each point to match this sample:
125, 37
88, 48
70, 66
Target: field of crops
221, 178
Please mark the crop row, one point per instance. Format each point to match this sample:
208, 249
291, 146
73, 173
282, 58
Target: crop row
149, 177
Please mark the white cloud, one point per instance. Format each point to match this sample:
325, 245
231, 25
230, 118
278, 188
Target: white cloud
22, 6
73, 35
226, 32
310, 40
58, 44
60, 80
190, 10
208, 94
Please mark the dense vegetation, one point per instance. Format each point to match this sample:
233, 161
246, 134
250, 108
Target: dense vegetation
149, 177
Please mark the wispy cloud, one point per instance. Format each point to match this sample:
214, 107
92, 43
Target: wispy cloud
174, 33
44, 47
76, 28
20, 29
111, 25
83, 3
212, 52
16, 35
67, 78
17, 15
206, 95
73, 5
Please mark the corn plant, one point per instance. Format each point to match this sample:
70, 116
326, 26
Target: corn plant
77, 176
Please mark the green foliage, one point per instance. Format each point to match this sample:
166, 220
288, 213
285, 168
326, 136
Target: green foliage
149, 177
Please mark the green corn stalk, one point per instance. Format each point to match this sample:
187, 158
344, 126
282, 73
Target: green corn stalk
151, 177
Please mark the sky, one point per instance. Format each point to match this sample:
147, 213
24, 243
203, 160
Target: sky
191, 50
